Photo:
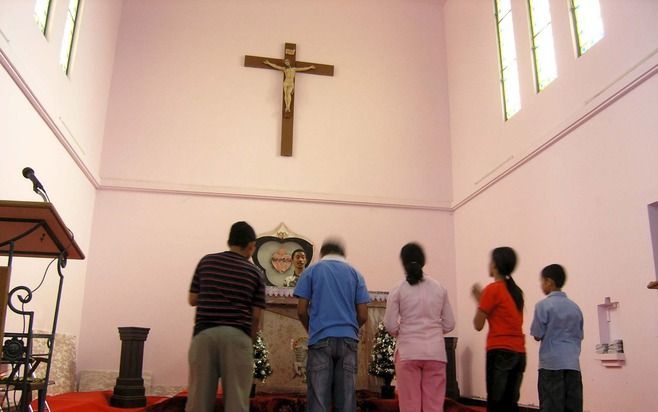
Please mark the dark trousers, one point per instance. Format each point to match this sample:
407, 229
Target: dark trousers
504, 375
560, 390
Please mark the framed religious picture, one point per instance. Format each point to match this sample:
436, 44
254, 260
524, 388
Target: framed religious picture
274, 255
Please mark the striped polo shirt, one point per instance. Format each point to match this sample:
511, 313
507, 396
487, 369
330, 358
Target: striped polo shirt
229, 286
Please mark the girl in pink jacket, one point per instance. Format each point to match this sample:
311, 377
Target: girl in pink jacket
418, 314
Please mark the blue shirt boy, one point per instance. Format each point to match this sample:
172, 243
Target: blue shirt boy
558, 323
334, 288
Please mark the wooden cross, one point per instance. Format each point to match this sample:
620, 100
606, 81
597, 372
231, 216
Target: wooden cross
289, 66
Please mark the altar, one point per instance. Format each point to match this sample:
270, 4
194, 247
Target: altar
284, 336
286, 339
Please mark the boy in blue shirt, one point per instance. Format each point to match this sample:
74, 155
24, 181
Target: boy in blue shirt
332, 306
558, 324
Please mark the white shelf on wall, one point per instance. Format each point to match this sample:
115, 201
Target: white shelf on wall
613, 349
611, 360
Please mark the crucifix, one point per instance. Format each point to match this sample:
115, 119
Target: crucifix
290, 67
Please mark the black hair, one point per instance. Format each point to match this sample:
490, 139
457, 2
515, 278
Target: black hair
332, 247
556, 273
241, 234
294, 252
504, 258
413, 260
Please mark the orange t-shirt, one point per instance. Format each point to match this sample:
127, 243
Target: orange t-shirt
505, 321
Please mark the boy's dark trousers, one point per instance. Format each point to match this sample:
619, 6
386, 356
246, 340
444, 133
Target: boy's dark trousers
560, 390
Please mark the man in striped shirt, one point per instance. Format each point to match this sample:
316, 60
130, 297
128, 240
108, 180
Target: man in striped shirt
229, 294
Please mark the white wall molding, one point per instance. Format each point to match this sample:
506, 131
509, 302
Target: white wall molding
45, 116
301, 198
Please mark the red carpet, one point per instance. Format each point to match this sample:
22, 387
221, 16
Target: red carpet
90, 402
100, 402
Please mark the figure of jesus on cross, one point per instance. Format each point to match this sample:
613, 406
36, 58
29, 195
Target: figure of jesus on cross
289, 79
289, 66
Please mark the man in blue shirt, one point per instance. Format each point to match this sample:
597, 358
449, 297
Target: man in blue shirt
558, 324
332, 306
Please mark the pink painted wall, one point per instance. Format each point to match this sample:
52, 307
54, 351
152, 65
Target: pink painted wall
185, 113
482, 149
568, 180
26, 141
194, 135
381, 153
389, 115
146, 246
582, 203
55, 125
77, 104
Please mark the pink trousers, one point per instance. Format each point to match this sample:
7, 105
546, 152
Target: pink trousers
421, 385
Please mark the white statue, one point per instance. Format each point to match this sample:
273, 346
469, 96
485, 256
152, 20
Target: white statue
288, 79
300, 351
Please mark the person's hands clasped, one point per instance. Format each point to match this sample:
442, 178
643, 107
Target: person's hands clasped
476, 291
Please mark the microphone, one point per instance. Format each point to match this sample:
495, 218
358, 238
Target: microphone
28, 173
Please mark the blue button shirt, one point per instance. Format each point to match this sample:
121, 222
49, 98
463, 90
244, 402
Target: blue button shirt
334, 288
558, 322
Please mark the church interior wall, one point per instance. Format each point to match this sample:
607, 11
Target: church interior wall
148, 180
370, 160
146, 246
77, 103
486, 148
185, 114
55, 124
581, 203
567, 179
377, 202
27, 141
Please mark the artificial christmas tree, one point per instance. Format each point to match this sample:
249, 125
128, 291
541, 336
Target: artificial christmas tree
381, 360
262, 367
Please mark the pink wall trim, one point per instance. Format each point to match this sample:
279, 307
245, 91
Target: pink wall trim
569, 128
43, 113
274, 197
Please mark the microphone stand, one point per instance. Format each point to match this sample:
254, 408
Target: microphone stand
42, 193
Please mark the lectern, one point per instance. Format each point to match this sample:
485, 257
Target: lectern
30, 229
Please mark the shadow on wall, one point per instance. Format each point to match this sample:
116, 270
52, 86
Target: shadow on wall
653, 227
465, 380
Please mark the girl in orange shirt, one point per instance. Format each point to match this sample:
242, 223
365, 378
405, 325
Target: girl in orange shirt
501, 304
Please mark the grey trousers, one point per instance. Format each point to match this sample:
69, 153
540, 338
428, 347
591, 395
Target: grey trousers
220, 352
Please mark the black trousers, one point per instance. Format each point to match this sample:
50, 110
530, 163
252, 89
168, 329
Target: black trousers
560, 390
504, 375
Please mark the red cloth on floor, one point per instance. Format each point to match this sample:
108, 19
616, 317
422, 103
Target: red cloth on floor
366, 402
100, 402
90, 402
